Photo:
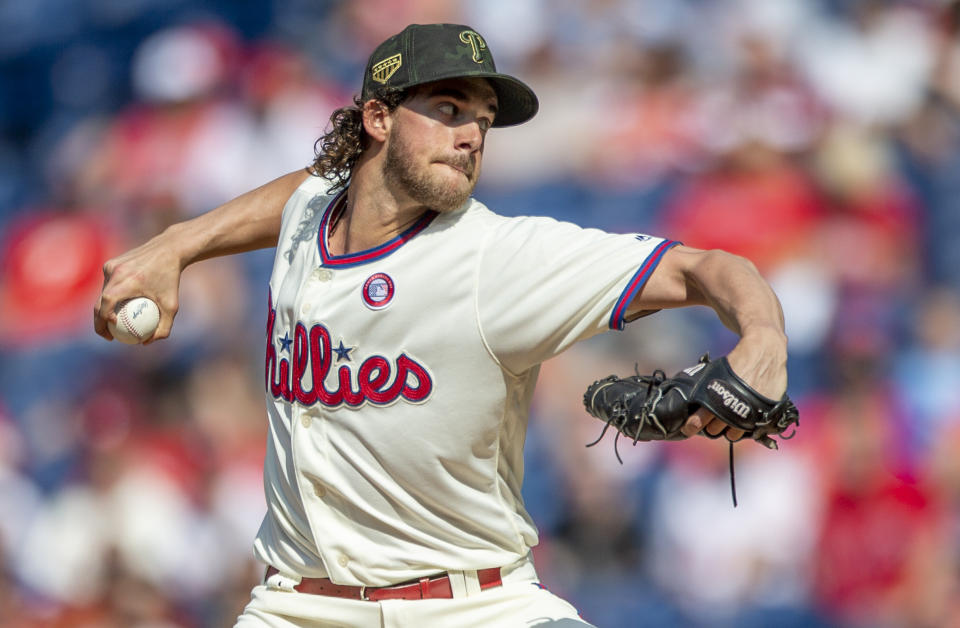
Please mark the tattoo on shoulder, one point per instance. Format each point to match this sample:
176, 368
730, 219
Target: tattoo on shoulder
307, 229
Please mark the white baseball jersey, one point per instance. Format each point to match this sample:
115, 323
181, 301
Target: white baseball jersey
398, 382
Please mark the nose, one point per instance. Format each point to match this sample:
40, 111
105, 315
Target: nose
469, 136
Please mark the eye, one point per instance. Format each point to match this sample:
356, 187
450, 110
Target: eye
485, 124
447, 109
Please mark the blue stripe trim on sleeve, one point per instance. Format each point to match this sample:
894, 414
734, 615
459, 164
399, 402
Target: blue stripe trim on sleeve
636, 282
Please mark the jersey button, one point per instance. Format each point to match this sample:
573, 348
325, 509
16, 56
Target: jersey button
324, 274
305, 309
343, 561
305, 420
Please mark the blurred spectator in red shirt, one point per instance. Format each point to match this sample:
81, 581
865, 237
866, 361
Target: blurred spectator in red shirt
767, 214
871, 237
879, 524
50, 272
753, 199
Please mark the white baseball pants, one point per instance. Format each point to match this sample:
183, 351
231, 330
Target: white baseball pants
521, 602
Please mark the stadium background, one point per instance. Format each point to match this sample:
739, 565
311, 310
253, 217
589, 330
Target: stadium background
820, 138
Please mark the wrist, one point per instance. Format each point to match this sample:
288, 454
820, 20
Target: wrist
771, 340
182, 243
767, 333
767, 340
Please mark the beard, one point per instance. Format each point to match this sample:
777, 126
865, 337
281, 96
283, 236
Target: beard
421, 183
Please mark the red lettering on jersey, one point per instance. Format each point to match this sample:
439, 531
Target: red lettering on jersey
271, 362
424, 383
301, 354
374, 373
311, 352
320, 356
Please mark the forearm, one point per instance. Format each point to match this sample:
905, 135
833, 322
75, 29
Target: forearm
153, 269
736, 291
741, 298
747, 305
246, 223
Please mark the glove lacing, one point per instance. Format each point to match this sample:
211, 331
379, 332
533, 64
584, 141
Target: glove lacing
619, 419
619, 416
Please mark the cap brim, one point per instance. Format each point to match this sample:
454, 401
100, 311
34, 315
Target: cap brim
516, 102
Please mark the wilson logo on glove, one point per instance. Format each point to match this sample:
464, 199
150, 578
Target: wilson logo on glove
728, 399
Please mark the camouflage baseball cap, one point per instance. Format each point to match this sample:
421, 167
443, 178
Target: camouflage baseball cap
423, 53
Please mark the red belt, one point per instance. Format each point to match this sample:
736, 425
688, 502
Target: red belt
422, 589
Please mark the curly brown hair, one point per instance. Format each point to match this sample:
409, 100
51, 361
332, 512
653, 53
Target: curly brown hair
337, 150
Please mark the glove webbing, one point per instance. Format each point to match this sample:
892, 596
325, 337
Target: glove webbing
620, 415
626, 419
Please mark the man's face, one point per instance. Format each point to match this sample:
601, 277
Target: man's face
435, 145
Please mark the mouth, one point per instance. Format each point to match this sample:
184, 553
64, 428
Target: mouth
465, 170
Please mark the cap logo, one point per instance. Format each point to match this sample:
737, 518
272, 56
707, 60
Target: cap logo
383, 70
475, 41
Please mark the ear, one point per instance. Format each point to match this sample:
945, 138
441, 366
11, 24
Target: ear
376, 120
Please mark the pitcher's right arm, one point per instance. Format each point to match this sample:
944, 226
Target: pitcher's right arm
248, 222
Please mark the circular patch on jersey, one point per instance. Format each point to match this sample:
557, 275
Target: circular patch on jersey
378, 291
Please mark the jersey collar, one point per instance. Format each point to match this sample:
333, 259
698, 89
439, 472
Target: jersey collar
333, 211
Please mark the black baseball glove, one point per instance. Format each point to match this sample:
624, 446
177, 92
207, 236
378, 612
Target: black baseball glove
655, 407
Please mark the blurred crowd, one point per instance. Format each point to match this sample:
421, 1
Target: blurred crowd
820, 138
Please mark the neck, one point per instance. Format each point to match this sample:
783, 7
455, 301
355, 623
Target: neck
373, 214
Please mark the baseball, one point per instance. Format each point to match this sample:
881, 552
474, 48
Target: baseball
137, 319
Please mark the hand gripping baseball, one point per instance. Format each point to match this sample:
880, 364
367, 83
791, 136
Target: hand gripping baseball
151, 270
655, 407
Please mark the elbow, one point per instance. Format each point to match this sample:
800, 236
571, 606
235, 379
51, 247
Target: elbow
725, 260
716, 267
716, 263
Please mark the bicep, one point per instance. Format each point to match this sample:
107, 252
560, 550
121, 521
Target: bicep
669, 285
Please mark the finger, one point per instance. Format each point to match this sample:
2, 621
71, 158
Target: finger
715, 427
116, 288
697, 421
100, 323
105, 310
167, 314
162, 331
108, 267
103, 313
733, 434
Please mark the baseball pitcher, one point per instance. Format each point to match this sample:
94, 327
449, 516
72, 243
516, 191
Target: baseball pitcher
405, 324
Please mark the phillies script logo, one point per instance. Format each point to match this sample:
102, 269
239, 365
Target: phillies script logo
377, 380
